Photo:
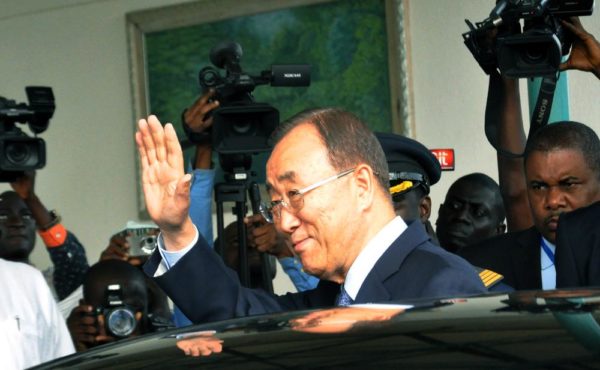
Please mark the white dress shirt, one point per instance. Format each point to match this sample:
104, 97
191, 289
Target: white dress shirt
32, 329
370, 254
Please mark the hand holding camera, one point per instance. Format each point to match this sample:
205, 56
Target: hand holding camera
534, 51
133, 244
87, 328
585, 54
112, 320
198, 118
24, 185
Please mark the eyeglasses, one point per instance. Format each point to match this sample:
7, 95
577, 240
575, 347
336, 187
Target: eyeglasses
295, 200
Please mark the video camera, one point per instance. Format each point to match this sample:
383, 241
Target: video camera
18, 151
240, 125
534, 52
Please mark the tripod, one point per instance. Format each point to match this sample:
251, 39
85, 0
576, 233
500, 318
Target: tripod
237, 186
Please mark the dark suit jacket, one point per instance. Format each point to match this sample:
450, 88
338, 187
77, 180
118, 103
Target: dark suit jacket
577, 255
515, 255
205, 290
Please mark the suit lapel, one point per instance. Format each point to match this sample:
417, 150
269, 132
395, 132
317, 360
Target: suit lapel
373, 288
525, 256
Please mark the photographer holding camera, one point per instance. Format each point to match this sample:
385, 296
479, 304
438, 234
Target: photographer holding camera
83, 325
503, 115
551, 172
117, 303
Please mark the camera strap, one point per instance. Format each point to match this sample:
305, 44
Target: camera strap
543, 105
539, 116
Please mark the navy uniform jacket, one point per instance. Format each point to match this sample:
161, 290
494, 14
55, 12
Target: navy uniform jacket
412, 267
577, 255
514, 255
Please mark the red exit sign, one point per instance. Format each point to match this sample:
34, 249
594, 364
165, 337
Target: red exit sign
445, 157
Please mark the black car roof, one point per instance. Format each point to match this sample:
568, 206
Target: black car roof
525, 330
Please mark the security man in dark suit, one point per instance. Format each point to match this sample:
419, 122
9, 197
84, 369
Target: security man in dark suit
578, 248
562, 171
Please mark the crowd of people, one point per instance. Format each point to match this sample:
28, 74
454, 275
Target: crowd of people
348, 221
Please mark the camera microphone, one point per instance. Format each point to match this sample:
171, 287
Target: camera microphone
290, 75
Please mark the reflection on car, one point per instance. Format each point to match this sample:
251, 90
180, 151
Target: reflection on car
525, 330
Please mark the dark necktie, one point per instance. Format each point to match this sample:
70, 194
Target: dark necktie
343, 298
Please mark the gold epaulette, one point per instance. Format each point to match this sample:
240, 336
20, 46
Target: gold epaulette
489, 278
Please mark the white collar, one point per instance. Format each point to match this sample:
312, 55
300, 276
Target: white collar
370, 254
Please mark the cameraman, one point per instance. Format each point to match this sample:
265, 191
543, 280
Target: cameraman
503, 115
88, 322
552, 172
77, 310
261, 234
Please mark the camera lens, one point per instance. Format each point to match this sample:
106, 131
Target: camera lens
121, 322
535, 53
17, 153
242, 128
148, 244
208, 77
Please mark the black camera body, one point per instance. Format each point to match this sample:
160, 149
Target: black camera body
240, 125
119, 318
18, 151
534, 52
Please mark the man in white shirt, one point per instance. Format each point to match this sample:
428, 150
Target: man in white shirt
328, 181
32, 330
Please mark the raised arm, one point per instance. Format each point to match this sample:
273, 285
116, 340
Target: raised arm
166, 186
197, 122
503, 113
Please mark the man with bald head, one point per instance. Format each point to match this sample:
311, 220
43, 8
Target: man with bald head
328, 181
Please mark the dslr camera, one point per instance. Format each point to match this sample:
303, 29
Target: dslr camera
240, 125
18, 151
119, 318
535, 51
